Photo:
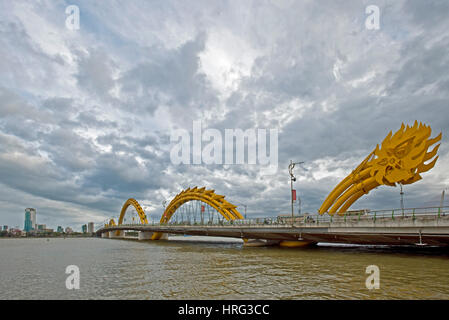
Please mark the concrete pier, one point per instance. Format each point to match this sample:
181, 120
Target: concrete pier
145, 235
260, 243
164, 237
120, 234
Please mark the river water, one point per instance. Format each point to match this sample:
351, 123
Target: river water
196, 268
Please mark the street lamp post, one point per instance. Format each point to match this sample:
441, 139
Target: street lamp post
164, 203
442, 198
291, 166
402, 199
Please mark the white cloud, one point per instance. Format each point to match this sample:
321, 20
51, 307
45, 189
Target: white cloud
227, 58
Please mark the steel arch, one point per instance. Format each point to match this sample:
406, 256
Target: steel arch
216, 201
136, 205
111, 223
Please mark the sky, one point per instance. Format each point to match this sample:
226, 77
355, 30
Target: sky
86, 115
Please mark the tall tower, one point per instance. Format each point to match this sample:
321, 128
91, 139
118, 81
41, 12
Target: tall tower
30, 219
90, 227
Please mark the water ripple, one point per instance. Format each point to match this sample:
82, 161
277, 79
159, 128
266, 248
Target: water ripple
117, 269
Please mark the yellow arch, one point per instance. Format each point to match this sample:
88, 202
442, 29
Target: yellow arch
136, 205
111, 223
216, 201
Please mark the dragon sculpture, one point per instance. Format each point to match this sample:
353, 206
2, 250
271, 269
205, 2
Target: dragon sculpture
400, 159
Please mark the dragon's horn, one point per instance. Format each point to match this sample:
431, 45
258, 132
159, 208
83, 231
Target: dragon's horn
433, 153
426, 167
434, 140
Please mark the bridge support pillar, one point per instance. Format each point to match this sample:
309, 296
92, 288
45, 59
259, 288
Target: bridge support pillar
116, 234
145, 235
105, 235
164, 236
296, 244
260, 243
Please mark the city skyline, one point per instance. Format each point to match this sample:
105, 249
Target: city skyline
30, 224
86, 115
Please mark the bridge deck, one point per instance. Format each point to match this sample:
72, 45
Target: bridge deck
428, 229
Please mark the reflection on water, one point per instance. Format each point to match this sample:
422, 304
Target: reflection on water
192, 268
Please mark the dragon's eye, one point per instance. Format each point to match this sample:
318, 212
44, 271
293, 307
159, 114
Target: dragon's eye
403, 148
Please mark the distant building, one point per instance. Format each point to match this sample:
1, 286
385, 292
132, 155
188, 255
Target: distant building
5, 228
68, 230
90, 227
16, 232
60, 229
84, 228
30, 219
41, 227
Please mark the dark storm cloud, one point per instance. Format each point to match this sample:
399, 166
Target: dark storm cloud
169, 78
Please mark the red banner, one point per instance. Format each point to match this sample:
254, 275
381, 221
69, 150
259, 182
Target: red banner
294, 195
202, 208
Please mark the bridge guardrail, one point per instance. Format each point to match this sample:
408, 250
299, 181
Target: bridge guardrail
382, 215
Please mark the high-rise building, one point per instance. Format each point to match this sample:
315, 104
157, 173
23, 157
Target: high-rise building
90, 227
28, 224
30, 219
60, 229
5, 228
84, 228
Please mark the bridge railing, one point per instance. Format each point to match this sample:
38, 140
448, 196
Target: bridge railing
366, 215
353, 216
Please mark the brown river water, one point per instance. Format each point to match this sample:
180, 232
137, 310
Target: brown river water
202, 268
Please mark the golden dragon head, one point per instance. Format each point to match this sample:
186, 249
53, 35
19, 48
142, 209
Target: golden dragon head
402, 156
400, 159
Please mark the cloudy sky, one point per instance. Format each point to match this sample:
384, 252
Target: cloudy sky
86, 115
